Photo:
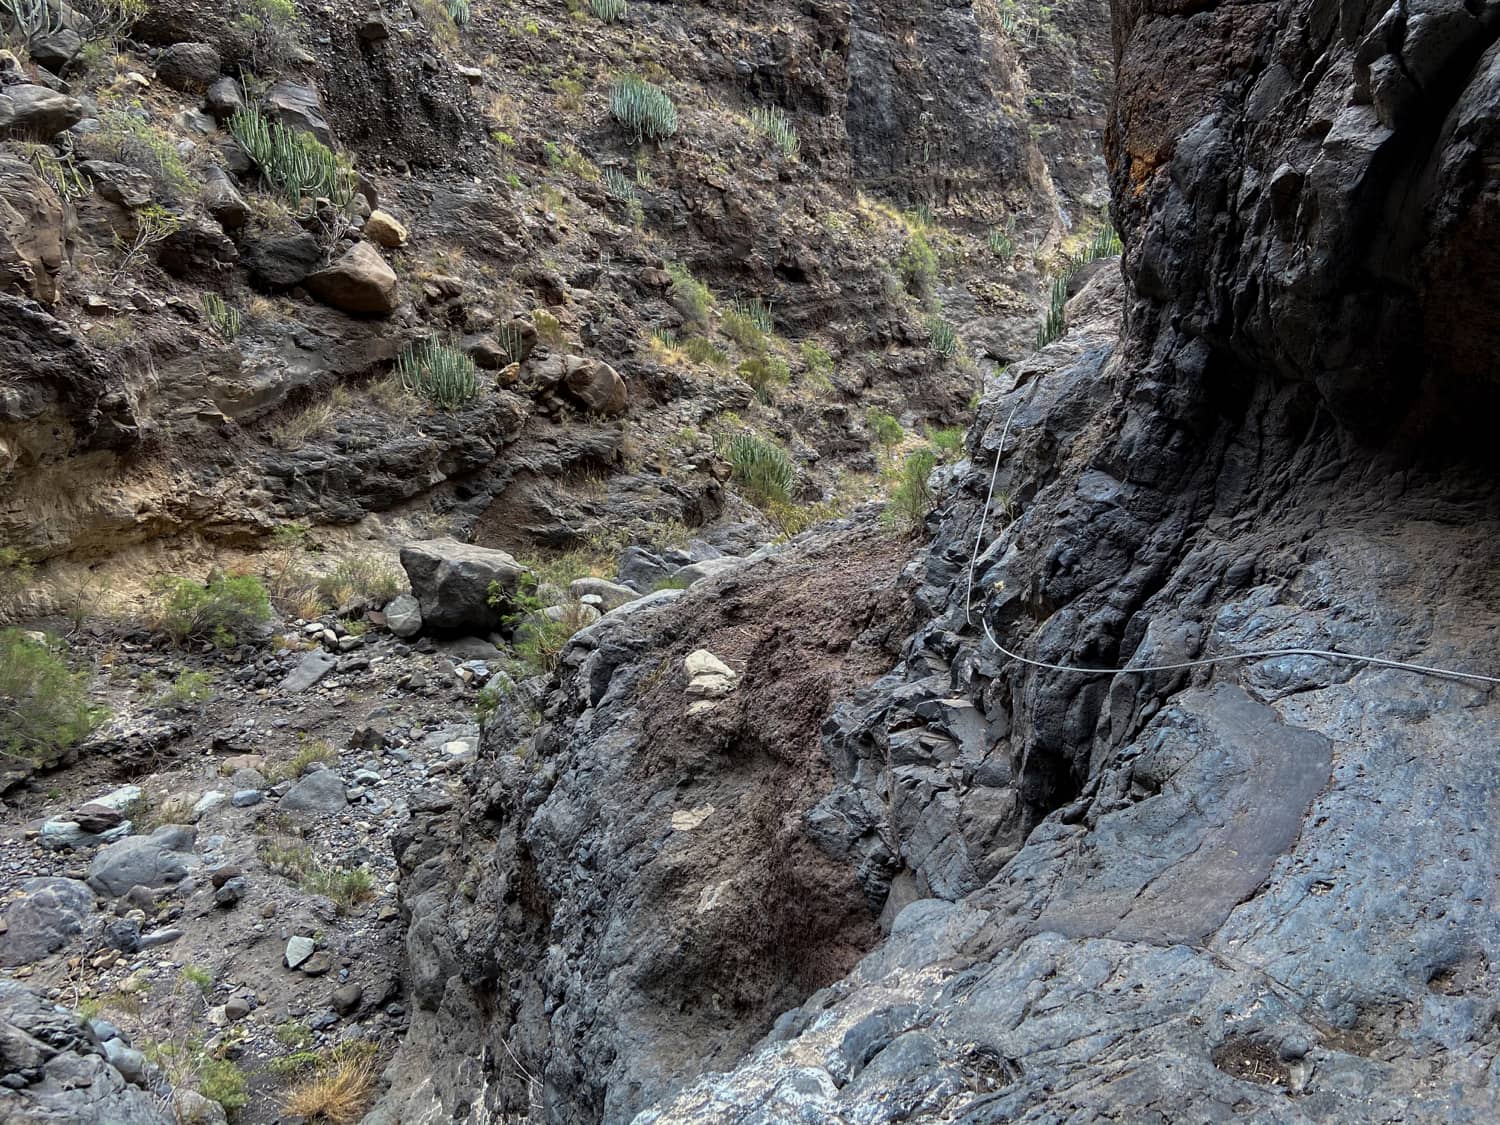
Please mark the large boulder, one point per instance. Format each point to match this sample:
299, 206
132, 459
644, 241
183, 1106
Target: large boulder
188, 66
158, 860
358, 282
48, 914
596, 385
35, 111
611, 595
452, 580
32, 235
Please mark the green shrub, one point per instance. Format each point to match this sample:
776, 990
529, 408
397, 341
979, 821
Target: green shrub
948, 441
817, 360
692, 298
222, 1081
295, 163
200, 978
772, 121
267, 32
224, 612
127, 137
459, 11
884, 428
438, 373
744, 331
1001, 243
189, 690
346, 886
766, 374
918, 264
610, 11
643, 108
619, 187
44, 706
1055, 322
760, 467
360, 580
942, 336
911, 498
702, 350
223, 318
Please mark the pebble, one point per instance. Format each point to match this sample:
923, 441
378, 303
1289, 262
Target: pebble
298, 950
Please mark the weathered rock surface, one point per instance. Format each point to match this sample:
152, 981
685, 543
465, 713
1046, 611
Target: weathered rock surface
188, 66
33, 243
157, 860
49, 913
1256, 889
358, 281
36, 111
53, 1069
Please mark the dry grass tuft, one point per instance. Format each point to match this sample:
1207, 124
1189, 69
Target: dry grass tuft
337, 1094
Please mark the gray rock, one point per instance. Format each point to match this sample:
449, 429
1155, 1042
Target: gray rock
55, 50
231, 891
160, 937
298, 107
49, 914
612, 595
123, 934
129, 1062
246, 798
642, 570
281, 260
60, 1072
298, 950
320, 792
115, 182
223, 98
347, 999
222, 200
697, 572
311, 668
188, 66
403, 616
28, 110
452, 581
158, 860
236, 1008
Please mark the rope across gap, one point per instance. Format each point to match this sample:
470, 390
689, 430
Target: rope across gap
1232, 658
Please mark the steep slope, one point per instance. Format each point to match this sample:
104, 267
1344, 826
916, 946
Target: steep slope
1260, 885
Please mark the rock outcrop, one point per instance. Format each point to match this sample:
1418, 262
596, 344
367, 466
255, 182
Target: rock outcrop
1225, 885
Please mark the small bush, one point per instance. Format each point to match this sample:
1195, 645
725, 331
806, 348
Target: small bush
643, 109
918, 265
44, 707
816, 358
1001, 243
701, 350
619, 186
692, 298
224, 612
189, 690
127, 137
223, 318
347, 887
610, 11
744, 331
766, 374
948, 441
1055, 322
340, 1089
942, 336
267, 31
198, 977
459, 11
360, 580
295, 163
438, 373
222, 1081
911, 498
760, 467
317, 750
884, 428
772, 121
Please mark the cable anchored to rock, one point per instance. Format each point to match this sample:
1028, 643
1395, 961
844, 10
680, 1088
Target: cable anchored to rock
1182, 665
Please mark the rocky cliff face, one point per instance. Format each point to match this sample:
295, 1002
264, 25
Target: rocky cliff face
1251, 888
